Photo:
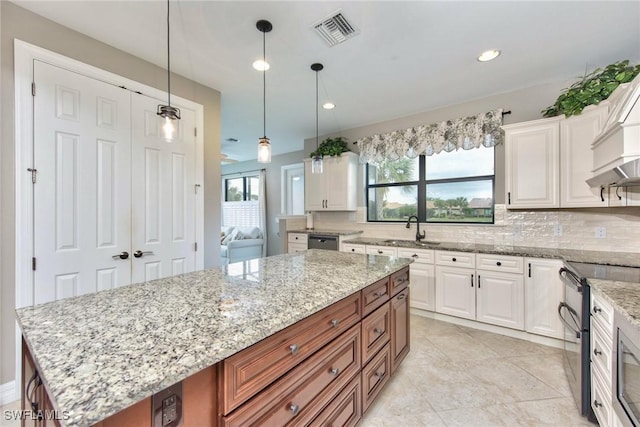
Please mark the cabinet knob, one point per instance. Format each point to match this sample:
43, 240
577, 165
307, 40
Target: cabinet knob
294, 348
335, 372
498, 263
335, 323
294, 409
597, 404
353, 249
597, 352
377, 331
596, 309
296, 237
415, 256
379, 374
378, 294
401, 296
379, 251
453, 259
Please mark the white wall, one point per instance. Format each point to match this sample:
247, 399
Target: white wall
24, 25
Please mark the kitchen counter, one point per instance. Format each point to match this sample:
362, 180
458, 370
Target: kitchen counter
327, 232
598, 257
98, 354
624, 296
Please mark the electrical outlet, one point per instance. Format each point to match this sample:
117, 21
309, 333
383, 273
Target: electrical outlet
601, 232
517, 230
557, 230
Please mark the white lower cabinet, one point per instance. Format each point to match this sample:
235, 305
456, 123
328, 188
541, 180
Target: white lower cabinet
422, 278
543, 291
353, 248
500, 299
455, 291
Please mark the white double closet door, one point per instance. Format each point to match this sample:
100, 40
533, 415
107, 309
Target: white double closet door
107, 185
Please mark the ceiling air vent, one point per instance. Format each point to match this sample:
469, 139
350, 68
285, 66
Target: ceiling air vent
335, 29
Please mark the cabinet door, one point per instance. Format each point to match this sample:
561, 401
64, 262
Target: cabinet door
500, 299
532, 164
576, 158
543, 292
423, 286
399, 328
341, 177
314, 188
456, 292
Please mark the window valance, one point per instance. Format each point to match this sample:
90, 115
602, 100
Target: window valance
465, 132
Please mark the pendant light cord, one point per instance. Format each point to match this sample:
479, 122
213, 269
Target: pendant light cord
316, 113
168, 57
264, 85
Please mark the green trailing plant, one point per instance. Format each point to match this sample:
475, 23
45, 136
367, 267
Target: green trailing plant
332, 147
592, 88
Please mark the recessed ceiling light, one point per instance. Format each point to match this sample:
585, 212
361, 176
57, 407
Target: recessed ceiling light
261, 65
488, 55
328, 105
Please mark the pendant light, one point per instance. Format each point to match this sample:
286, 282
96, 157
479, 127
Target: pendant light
167, 112
264, 145
317, 163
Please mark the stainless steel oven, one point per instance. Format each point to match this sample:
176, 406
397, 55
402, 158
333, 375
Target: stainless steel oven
626, 371
574, 314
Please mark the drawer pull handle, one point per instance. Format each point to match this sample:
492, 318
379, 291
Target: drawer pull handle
415, 256
335, 323
596, 309
453, 259
335, 372
597, 352
378, 294
401, 296
380, 252
294, 409
379, 374
597, 404
498, 263
294, 348
377, 331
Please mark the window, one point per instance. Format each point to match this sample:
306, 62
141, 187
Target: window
446, 187
241, 207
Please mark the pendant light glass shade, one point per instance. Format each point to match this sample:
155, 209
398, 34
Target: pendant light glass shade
264, 144
317, 164
264, 150
170, 114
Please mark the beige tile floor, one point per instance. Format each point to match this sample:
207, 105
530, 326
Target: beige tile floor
456, 376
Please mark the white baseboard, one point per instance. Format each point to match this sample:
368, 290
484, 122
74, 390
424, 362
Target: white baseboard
8, 393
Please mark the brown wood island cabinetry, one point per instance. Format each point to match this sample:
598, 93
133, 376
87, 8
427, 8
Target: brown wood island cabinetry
326, 369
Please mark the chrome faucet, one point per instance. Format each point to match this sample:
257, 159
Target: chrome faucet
418, 235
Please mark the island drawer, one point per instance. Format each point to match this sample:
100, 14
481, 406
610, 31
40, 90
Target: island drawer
373, 296
299, 396
456, 259
375, 332
398, 281
345, 410
602, 313
246, 373
419, 256
298, 238
504, 263
375, 375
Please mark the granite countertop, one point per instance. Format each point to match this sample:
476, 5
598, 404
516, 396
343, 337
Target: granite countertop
327, 232
100, 353
575, 255
624, 296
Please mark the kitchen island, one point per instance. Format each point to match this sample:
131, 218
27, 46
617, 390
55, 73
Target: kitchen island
102, 353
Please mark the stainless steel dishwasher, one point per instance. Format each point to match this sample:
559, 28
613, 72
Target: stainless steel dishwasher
319, 241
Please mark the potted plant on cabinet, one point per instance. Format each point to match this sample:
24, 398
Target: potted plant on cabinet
331, 147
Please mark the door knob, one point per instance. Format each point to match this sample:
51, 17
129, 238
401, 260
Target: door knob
139, 254
121, 255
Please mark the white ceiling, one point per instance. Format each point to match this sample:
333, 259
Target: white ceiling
409, 56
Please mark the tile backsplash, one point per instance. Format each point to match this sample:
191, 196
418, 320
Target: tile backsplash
559, 228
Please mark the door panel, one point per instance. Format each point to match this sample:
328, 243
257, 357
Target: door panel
163, 189
82, 197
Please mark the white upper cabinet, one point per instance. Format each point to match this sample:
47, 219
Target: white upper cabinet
335, 188
576, 158
532, 153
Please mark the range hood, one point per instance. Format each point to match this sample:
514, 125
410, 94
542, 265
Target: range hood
616, 149
624, 175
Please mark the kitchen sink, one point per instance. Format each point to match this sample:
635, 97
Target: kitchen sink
410, 242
